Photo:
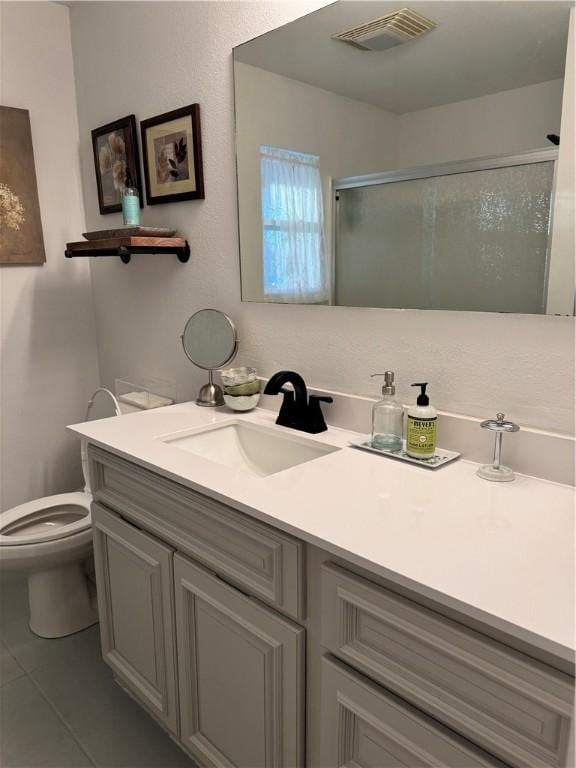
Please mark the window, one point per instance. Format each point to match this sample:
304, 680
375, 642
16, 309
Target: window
294, 259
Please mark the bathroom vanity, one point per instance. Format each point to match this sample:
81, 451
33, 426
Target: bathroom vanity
347, 610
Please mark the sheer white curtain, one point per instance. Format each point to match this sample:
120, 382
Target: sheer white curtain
293, 247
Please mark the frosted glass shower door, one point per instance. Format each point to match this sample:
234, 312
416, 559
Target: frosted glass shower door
476, 240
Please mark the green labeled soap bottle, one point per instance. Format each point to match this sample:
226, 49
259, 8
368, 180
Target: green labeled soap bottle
421, 425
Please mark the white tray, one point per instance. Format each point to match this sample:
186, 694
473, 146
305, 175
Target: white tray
441, 457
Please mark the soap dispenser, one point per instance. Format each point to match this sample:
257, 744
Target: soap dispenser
421, 426
387, 415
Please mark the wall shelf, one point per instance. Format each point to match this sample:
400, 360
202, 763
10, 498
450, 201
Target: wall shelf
126, 247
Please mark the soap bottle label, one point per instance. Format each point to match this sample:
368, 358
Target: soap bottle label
421, 436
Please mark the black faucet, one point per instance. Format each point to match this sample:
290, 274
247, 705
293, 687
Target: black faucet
298, 411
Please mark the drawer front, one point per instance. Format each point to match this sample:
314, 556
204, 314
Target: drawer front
256, 557
500, 699
363, 725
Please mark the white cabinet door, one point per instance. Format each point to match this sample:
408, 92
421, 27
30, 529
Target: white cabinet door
241, 675
363, 725
134, 575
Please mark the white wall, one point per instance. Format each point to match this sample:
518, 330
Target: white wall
509, 122
159, 56
48, 346
350, 138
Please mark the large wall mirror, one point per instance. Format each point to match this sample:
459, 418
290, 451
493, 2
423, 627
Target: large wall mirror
406, 157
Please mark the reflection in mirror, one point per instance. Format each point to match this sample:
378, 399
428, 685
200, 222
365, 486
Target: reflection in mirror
473, 240
413, 163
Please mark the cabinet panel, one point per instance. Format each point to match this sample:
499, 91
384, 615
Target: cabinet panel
260, 559
241, 669
135, 600
364, 726
501, 699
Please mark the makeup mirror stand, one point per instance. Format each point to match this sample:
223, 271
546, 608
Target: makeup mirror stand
210, 394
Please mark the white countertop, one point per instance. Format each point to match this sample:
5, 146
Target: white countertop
502, 554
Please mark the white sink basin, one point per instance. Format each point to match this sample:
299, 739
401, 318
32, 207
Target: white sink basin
249, 447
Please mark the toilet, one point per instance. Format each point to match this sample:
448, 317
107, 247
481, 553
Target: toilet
50, 539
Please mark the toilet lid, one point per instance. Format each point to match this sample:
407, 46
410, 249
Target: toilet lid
45, 519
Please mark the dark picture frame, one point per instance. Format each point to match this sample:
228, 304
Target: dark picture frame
115, 148
173, 172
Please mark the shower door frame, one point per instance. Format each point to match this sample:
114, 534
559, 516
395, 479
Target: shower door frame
530, 157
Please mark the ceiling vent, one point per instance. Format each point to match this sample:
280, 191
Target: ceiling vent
387, 31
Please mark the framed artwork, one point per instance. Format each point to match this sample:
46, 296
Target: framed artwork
116, 158
21, 237
172, 153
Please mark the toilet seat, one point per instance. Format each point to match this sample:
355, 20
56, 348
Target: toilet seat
47, 519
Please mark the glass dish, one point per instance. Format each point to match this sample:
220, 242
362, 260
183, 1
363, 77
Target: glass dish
242, 402
250, 388
233, 376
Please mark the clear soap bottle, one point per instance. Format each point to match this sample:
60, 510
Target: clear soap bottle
387, 417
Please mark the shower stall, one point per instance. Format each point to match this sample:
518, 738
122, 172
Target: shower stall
471, 235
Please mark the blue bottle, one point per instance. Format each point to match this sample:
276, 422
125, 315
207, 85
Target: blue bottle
130, 205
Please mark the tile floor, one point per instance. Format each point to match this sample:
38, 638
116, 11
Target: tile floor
59, 705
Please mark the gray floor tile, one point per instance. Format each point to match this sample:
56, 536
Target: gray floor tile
9, 667
33, 652
32, 734
29, 650
13, 598
112, 728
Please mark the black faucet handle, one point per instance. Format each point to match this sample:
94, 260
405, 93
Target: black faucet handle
315, 422
321, 399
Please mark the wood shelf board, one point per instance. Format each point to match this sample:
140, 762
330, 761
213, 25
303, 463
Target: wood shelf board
127, 242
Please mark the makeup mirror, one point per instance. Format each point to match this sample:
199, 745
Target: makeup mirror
210, 341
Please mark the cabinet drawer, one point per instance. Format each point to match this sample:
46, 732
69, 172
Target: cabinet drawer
256, 557
363, 725
500, 699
